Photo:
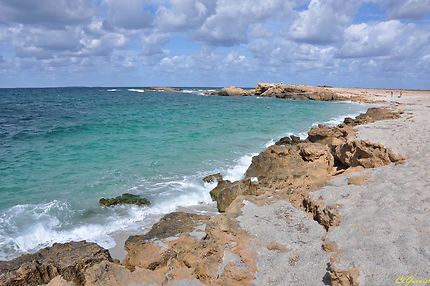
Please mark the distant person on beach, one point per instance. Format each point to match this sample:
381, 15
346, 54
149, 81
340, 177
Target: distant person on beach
400, 95
391, 93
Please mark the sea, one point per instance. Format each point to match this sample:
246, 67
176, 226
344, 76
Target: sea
62, 149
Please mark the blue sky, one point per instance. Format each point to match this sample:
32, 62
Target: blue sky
366, 43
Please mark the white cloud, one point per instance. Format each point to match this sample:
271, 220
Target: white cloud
323, 21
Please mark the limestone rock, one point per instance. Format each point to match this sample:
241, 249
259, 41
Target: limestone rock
364, 153
213, 178
295, 91
234, 91
70, 260
373, 114
292, 160
330, 135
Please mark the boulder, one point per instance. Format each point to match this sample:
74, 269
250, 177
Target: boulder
373, 114
227, 193
276, 161
70, 260
364, 153
125, 199
142, 252
234, 91
330, 135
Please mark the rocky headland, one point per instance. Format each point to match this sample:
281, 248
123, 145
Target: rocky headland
319, 211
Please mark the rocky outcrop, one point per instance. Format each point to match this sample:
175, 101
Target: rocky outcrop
373, 114
289, 140
226, 192
125, 199
278, 161
364, 153
234, 91
70, 260
213, 178
331, 135
190, 256
163, 89
291, 91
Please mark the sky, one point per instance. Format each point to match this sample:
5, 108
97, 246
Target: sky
350, 43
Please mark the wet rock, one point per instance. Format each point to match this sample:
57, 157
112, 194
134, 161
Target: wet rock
364, 153
213, 178
221, 186
125, 199
70, 260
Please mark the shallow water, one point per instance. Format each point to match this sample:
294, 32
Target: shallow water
61, 149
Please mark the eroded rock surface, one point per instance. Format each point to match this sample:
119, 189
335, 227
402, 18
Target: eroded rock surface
70, 260
125, 199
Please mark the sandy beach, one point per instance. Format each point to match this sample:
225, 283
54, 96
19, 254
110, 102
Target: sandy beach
350, 212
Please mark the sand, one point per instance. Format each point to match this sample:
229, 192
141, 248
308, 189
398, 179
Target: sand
385, 226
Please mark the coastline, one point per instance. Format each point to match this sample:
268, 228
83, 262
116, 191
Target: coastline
240, 227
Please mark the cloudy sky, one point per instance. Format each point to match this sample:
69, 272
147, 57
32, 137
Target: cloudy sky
383, 43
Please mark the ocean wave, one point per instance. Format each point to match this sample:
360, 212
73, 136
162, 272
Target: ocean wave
27, 228
136, 90
112, 90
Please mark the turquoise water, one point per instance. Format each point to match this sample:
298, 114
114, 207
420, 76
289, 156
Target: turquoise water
61, 149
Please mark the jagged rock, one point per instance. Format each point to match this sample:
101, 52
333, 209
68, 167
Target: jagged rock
295, 91
221, 186
308, 159
70, 260
229, 192
364, 153
125, 199
212, 178
145, 254
330, 135
289, 140
373, 114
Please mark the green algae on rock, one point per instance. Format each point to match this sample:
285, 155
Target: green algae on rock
125, 199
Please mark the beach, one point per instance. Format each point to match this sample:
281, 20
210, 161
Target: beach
336, 209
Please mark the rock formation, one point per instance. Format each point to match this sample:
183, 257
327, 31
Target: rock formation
70, 260
233, 91
125, 199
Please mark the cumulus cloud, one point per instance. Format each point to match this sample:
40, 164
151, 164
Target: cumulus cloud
128, 14
48, 13
308, 41
323, 21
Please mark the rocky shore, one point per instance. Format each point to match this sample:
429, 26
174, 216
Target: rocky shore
338, 208
294, 91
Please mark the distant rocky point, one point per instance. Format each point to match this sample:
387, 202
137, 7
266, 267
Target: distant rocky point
281, 90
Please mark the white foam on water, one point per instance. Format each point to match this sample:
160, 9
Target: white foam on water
112, 90
27, 228
136, 90
237, 172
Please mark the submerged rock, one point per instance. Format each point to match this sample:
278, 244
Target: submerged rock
125, 199
70, 260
